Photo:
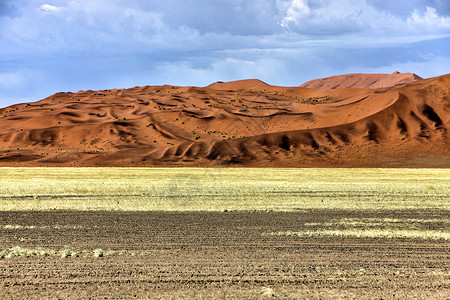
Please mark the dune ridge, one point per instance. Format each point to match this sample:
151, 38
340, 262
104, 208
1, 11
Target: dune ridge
240, 123
364, 81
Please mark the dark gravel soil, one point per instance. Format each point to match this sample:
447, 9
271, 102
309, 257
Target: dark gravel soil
204, 255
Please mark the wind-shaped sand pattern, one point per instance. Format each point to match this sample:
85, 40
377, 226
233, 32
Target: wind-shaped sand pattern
403, 122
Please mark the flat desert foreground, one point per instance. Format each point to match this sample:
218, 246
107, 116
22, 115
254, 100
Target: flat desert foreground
216, 255
124, 233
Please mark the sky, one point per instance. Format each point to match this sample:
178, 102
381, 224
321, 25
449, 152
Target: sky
54, 46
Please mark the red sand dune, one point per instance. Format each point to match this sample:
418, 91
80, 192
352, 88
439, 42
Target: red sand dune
362, 81
243, 123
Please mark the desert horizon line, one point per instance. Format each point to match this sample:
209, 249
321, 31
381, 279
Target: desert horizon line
223, 81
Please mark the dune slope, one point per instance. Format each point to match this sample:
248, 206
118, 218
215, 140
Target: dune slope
365, 81
247, 123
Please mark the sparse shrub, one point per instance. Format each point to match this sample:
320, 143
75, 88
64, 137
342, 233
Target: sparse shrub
68, 252
98, 252
101, 253
267, 292
65, 253
110, 253
19, 251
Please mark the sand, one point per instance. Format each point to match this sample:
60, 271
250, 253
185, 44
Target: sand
240, 123
364, 81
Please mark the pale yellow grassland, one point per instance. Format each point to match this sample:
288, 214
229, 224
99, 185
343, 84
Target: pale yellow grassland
375, 228
218, 189
371, 233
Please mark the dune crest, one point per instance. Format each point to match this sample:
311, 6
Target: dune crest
242, 123
239, 85
362, 81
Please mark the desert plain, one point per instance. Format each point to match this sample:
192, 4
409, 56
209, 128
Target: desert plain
339, 189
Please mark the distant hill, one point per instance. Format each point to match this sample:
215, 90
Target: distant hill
362, 81
239, 84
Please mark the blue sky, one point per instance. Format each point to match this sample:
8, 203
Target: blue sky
52, 45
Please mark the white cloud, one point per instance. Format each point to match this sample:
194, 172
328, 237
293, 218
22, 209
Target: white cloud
340, 17
337, 17
297, 11
115, 27
48, 7
429, 19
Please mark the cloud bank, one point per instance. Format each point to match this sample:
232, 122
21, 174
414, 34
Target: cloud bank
50, 46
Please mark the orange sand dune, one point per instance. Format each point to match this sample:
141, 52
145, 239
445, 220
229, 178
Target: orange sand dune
365, 81
242, 123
